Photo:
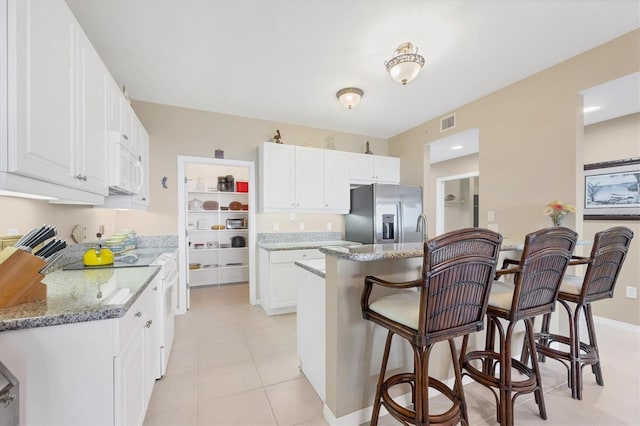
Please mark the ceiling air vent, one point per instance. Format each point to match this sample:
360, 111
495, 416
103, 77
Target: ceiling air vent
448, 122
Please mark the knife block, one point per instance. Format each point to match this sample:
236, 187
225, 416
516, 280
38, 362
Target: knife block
20, 279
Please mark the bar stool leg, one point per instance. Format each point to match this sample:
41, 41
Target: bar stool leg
597, 370
383, 369
574, 338
458, 380
539, 396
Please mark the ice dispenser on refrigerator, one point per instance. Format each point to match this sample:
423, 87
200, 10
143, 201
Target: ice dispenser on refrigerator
384, 214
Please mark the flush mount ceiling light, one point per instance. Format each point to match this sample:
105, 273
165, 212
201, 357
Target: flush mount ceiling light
405, 64
591, 108
349, 96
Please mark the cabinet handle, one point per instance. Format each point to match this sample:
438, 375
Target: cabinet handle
148, 324
125, 137
81, 177
155, 288
138, 314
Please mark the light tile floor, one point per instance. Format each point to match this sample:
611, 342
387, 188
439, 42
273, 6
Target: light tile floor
232, 364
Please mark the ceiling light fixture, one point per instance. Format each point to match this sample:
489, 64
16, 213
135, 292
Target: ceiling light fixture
405, 64
456, 147
591, 108
349, 96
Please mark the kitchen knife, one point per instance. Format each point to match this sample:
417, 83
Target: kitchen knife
45, 232
26, 237
50, 248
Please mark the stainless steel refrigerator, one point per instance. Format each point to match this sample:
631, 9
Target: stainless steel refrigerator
384, 214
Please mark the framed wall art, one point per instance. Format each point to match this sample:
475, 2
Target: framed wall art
612, 190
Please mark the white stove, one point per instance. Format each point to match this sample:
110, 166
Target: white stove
167, 305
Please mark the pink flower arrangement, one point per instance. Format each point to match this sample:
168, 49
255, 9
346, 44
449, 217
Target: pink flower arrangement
556, 210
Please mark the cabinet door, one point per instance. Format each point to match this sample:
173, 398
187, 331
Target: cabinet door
361, 168
129, 366
114, 105
41, 75
309, 178
278, 179
92, 129
283, 291
386, 169
142, 198
336, 182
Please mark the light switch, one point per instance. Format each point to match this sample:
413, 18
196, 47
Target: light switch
302, 226
276, 226
491, 216
329, 226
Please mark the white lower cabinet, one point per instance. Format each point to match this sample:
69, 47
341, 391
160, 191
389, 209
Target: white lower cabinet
278, 283
96, 372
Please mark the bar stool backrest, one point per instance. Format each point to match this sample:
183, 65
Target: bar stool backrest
608, 253
458, 269
544, 260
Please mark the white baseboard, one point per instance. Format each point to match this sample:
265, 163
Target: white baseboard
616, 323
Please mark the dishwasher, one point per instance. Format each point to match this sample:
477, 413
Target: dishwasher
9, 404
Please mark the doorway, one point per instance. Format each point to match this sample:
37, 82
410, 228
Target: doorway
457, 201
216, 223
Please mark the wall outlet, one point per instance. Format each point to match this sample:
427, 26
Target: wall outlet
493, 227
13, 231
632, 292
329, 226
276, 226
302, 226
491, 216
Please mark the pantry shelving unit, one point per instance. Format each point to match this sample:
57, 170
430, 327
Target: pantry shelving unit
209, 217
210, 235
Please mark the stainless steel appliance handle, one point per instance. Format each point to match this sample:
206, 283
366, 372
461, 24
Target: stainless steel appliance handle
400, 230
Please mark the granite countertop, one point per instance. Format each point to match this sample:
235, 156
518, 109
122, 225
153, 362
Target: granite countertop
315, 266
373, 252
301, 245
79, 296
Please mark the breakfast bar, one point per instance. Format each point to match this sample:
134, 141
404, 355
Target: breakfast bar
352, 346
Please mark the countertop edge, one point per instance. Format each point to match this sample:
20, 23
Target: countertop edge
95, 314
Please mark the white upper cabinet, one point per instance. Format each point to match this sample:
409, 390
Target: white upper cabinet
336, 182
366, 169
91, 143
292, 178
309, 178
277, 177
57, 102
42, 91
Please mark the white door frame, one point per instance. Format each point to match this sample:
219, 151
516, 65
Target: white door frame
440, 197
183, 291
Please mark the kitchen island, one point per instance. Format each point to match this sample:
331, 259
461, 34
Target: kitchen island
353, 347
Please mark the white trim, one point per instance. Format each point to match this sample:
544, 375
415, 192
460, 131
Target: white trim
616, 323
182, 160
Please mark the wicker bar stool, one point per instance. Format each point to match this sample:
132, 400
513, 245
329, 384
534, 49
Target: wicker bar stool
603, 267
537, 278
458, 269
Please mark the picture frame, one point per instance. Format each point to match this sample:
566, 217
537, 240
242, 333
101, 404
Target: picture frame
612, 190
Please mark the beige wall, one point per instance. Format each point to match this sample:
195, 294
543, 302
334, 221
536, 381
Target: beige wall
177, 131
606, 141
530, 138
532, 150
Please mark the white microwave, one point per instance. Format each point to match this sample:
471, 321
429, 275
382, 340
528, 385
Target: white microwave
124, 167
